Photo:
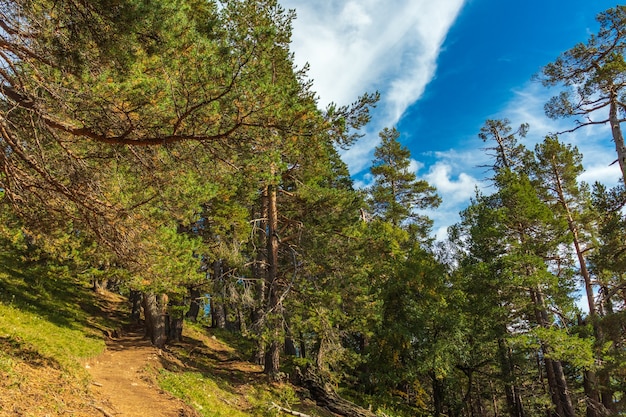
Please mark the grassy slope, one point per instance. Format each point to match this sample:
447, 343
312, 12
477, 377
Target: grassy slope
44, 335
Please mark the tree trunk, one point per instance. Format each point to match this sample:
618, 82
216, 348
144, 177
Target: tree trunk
273, 313
175, 329
303, 351
242, 325
320, 355
438, 396
606, 393
554, 370
326, 397
618, 137
259, 271
590, 384
135, 298
232, 320
577, 246
552, 385
99, 285
513, 400
174, 322
290, 347
154, 307
589, 377
194, 304
494, 399
271, 366
218, 306
218, 314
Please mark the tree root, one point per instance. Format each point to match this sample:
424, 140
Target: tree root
102, 410
288, 411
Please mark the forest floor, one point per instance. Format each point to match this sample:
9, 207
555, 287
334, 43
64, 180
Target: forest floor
68, 351
61, 357
123, 381
132, 378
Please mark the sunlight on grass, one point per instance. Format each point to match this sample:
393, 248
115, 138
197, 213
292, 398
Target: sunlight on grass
202, 393
41, 314
66, 346
44, 337
216, 398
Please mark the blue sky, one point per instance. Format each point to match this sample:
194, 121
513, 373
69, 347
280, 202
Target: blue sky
443, 67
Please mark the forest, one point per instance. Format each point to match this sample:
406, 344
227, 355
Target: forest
171, 151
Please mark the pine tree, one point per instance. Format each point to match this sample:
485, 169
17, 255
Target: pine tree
594, 77
557, 169
608, 264
513, 239
397, 195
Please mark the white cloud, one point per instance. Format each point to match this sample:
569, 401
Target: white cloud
454, 190
354, 15
354, 47
415, 166
455, 184
362, 46
457, 172
359, 156
365, 181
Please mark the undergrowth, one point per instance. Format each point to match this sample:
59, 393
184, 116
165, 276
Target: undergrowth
201, 392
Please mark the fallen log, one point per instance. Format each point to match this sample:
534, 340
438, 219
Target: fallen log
323, 394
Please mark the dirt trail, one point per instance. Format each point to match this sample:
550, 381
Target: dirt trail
123, 388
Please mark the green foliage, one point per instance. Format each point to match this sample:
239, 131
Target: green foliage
421, 334
566, 347
213, 87
609, 261
593, 75
175, 263
397, 195
506, 151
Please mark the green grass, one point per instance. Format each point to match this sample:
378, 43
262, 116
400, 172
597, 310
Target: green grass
27, 332
48, 327
203, 393
211, 398
51, 322
42, 314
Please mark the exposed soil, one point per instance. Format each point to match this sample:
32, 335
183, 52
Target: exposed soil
123, 384
36, 386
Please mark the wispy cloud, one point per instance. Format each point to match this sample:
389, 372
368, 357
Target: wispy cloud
362, 46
